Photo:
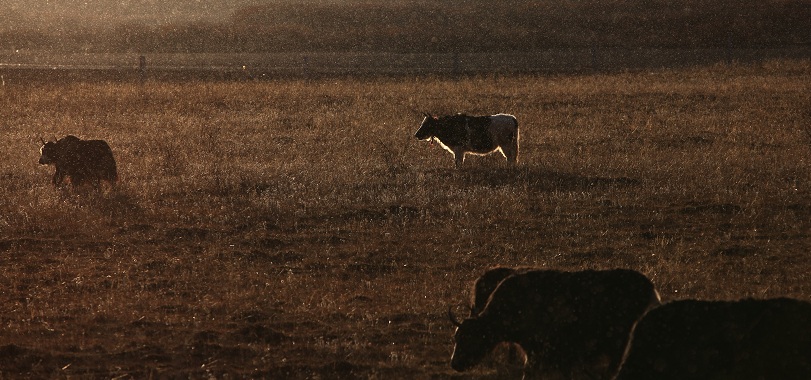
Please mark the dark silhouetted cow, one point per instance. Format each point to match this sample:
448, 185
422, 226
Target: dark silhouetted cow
569, 324
510, 358
79, 161
715, 340
461, 134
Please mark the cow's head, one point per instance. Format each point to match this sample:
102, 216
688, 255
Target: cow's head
48, 153
52, 151
428, 128
473, 340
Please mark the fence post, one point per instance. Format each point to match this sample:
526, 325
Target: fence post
142, 68
728, 51
593, 54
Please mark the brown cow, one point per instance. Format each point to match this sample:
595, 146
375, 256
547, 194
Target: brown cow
79, 161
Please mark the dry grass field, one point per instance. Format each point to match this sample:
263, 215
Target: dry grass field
295, 228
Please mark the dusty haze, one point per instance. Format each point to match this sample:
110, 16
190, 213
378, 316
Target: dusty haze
94, 13
399, 25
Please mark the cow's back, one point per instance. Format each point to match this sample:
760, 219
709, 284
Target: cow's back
583, 288
504, 127
573, 321
480, 133
748, 339
484, 286
96, 161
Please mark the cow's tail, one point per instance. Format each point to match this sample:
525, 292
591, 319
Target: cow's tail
515, 120
515, 140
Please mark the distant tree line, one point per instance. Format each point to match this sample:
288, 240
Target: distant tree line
445, 25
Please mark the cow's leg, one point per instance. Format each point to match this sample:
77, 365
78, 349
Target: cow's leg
459, 156
62, 180
108, 187
77, 180
511, 153
514, 146
510, 150
65, 184
58, 177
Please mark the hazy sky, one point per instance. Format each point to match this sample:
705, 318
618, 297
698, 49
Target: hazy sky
59, 13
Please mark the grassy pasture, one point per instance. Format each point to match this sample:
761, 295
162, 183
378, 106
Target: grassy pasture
295, 229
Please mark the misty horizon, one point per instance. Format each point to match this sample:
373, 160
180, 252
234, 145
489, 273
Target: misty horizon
16, 14
396, 25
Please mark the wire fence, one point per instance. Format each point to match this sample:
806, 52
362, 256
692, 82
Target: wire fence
302, 64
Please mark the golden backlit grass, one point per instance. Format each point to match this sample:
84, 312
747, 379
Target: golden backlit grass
295, 228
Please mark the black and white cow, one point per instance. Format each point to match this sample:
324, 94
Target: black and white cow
79, 161
719, 340
569, 324
461, 134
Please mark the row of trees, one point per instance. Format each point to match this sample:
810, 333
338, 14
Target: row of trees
444, 25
